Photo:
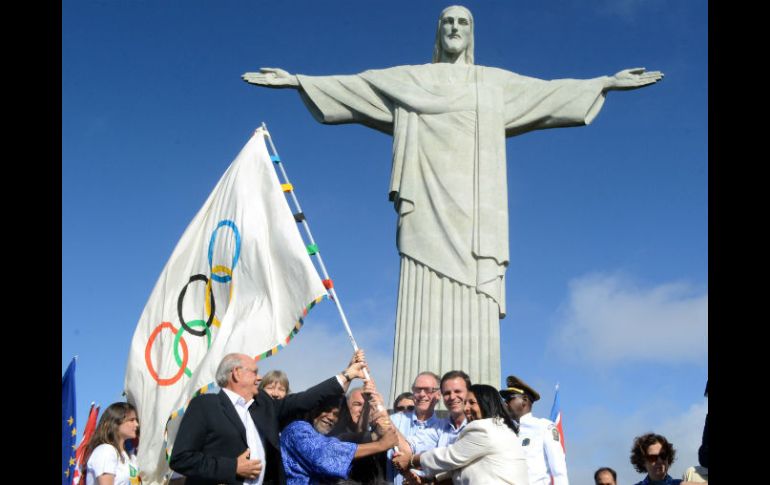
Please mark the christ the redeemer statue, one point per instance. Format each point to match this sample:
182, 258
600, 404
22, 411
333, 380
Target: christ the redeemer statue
449, 121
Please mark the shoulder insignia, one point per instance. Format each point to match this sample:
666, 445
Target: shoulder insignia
555, 434
525, 442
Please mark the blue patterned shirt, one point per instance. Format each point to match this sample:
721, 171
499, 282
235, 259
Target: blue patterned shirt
309, 456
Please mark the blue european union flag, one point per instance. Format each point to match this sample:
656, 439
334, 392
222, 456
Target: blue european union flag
68, 429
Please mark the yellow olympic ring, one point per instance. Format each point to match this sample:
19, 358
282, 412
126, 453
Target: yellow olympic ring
207, 300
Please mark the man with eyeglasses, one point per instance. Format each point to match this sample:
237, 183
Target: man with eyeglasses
539, 436
232, 436
425, 389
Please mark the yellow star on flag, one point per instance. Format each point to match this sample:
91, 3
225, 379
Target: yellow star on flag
70, 421
67, 473
72, 462
74, 432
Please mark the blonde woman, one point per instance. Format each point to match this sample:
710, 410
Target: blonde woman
275, 384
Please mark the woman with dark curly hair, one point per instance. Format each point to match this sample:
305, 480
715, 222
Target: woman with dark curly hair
652, 453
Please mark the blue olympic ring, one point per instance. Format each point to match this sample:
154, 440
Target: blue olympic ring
231, 224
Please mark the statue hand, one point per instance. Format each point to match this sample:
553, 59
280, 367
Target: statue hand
271, 77
633, 78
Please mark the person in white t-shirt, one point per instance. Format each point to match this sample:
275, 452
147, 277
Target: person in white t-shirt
107, 461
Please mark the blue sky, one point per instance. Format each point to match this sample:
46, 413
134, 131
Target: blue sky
608, 280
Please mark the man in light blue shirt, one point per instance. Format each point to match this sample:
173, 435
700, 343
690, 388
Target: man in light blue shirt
425, 389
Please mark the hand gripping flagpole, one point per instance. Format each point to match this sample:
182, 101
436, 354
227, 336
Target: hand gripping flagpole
312, 248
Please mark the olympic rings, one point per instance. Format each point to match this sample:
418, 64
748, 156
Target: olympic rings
231, 224
180, 300
219, 273
148, 360
178, 338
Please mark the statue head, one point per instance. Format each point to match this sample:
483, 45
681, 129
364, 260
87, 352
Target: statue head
454, 34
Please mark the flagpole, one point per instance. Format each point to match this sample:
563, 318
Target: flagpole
327, 281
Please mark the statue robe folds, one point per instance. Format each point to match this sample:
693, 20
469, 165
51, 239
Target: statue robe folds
448, 184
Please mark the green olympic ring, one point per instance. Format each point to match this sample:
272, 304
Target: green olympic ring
191, 323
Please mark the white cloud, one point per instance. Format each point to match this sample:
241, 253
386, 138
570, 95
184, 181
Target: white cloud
686, 432
605, 438
608, 319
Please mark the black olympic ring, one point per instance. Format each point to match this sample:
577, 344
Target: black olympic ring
199, 333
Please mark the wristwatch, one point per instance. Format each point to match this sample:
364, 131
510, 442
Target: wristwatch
346, 376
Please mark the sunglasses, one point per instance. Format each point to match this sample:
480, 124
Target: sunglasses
653, 458
404, 408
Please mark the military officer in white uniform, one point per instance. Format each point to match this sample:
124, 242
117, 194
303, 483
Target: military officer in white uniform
539, 437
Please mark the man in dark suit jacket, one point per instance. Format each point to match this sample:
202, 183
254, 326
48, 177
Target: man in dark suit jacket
211, 444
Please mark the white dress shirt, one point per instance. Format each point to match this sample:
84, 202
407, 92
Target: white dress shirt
252, 435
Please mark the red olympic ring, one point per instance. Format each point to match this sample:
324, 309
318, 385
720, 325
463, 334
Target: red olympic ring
148, 360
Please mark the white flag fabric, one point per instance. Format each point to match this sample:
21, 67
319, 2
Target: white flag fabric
239, 280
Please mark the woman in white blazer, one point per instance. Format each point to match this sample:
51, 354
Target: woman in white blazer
488, 450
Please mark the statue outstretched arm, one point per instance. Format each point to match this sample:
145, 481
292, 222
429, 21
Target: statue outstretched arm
271, 77
633, 78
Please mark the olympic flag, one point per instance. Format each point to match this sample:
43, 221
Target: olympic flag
239, 280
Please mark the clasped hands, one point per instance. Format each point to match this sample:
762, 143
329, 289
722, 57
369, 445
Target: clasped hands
401, 461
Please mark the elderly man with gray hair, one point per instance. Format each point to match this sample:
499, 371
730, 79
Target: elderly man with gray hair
232, 437
425, 389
